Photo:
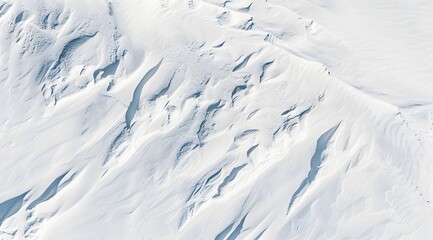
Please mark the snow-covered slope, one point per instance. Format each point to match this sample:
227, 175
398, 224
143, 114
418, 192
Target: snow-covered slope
213, 119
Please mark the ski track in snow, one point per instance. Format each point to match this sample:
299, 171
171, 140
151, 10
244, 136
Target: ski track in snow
214, 119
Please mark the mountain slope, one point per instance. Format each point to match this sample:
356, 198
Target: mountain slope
216, 119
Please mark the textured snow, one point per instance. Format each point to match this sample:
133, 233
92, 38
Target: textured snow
216, 119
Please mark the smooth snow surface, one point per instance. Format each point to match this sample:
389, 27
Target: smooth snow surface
216, 119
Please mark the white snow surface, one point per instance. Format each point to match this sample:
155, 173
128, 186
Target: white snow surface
216, 119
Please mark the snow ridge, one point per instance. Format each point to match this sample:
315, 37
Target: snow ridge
214, 119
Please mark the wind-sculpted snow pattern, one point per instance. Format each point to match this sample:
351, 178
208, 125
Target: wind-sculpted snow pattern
216, 119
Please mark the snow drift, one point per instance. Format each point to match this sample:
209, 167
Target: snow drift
213, 119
